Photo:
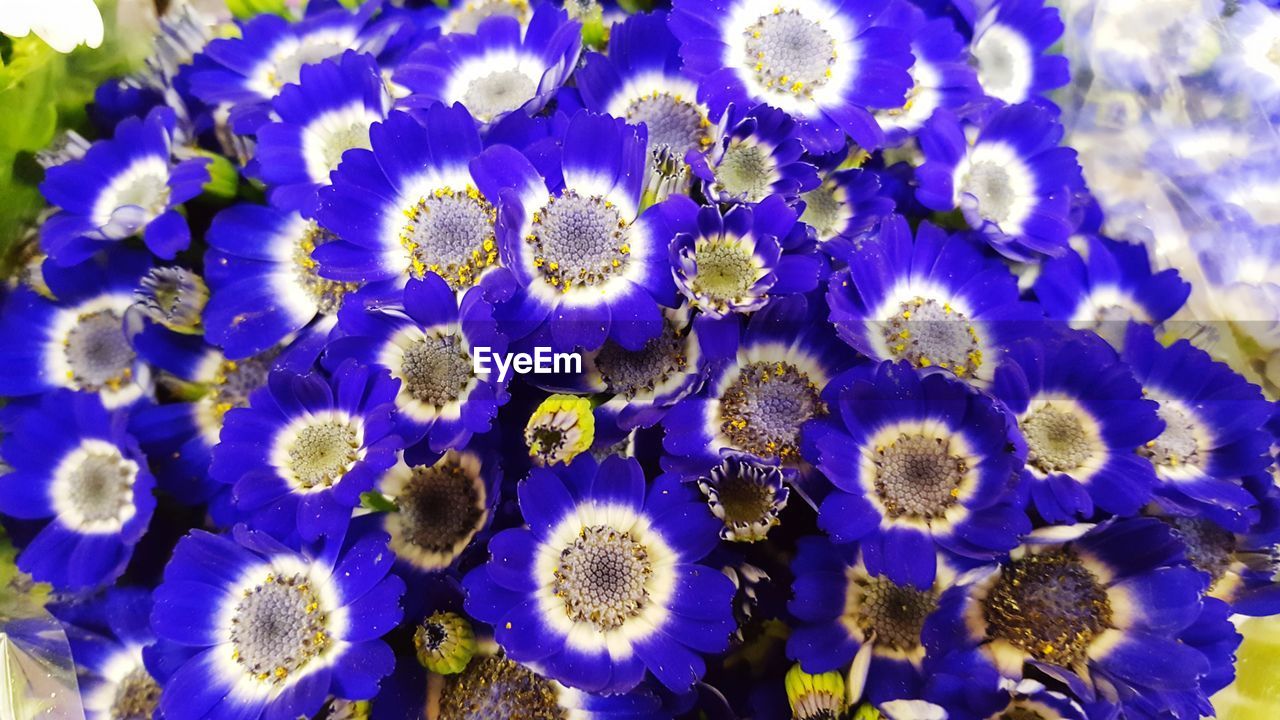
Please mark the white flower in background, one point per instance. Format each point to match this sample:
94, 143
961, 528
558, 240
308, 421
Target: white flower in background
63, 24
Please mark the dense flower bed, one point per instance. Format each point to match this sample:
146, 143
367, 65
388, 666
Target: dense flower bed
860, 409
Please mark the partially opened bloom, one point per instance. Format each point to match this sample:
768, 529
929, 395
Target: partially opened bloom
758, 396
757, 155
264, 279
735, 262
109, 636
502, 68
126, 186
1013, 182
746, 496
847, 202
411, 205
851, 617
1101, 613
645, 383
306, 447
605, 582
1105, 285
327, 112
1081, 416
77, 341
826, 64
76, 467
640, 80
1012, 41
426, 339
266, 631
919, 464
588, 268
1213, 423
935, 300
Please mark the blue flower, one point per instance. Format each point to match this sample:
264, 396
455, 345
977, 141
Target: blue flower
466, 17
1213, 424
941, 77
246, 72
1247, 65
936, 301
306, 447
848, 615
605, 582
759, 391
1081, 416
179, 437
427, 339
645, 383
263, 278
1099, 609
1107, 284
735, 262
75, 465
757, 155
1013, 183
503, 67
1012, 42
264, 630
77, 341
588, 268
919, 464
411, 205
122, 187
746, 496
846, 203
1239, 565
109, 638
640, 81
326, 113
826, 64
443, 507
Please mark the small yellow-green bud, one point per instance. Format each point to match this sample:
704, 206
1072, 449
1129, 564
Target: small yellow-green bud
444, 643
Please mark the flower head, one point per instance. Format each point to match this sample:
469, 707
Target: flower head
758, 155
825, 64
125, 186
1012, 42
271, 631
75, 466
919, 464
109, 640
604, 582
306, 447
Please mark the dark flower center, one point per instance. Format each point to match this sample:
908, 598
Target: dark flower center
790, 53
1016, 712
579, 241
436, 370
927, 333
441, 507
327, 293
452, 235
494, 688
918, 476
1057, 440
603, 578
634, 372
762, 411
278, 627
322, 452
895, 613
98, 353
1049, 605
1210, 548
99, 489
137, 697
672, 121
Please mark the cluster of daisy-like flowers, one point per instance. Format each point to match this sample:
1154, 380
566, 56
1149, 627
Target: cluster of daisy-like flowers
867, 413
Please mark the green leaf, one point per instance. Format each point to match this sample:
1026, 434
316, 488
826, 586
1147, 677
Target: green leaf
377, 502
